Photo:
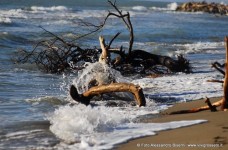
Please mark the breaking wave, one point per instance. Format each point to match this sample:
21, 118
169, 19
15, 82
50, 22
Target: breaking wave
53, 8
187, 48
170, 7
200, 47
101, 127
139, 8
5, 20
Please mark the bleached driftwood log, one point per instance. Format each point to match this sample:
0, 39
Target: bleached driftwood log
85, 97
110, 88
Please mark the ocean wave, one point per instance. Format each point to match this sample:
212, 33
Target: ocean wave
88, 14
183, 86
170, 7
69, 123
13, 13
53, 8
12, 38
187, 48
5, 20
139, 8
200, 47
47, 99
101, 127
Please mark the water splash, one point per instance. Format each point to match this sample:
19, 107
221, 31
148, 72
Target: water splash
172, 6
69, 123
98, 72
101, 127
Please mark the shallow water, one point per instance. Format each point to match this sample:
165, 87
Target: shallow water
36, 109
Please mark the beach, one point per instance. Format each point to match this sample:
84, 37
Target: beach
212, 134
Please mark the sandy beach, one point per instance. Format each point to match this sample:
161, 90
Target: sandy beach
210, 135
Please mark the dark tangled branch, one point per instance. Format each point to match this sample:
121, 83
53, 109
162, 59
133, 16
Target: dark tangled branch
57, 55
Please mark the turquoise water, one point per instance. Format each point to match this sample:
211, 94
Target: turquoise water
27, 95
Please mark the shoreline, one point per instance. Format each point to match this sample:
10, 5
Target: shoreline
210, 135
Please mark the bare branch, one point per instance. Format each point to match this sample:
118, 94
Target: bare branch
216, 65
110, 43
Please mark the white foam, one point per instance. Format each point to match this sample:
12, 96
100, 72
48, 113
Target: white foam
172, 6
53, 8
20, 134
70, 123
5, 20
96, 71
102, 127
139, 8
87, 14
184, 49
12, 13
182, 86
200, 47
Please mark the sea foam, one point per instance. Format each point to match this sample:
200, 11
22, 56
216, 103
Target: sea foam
102, 127
53, 8
5, 20
183, 87
170, 7
139, 8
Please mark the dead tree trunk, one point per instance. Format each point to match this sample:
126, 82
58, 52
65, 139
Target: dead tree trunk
225, 84
113, 87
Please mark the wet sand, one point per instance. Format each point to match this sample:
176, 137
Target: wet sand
210, 135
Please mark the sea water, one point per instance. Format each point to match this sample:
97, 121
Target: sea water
36, 109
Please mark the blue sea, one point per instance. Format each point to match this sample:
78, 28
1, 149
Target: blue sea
36, 110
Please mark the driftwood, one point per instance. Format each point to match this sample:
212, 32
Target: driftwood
59, 55
140, 57
110, 88
214, 8
85, 97
212, 107
209, 106
217, 81
218, 67
224, 101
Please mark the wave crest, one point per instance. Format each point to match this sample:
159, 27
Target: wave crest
5, 20
53, 8
139, 8
170, 7
69, 123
